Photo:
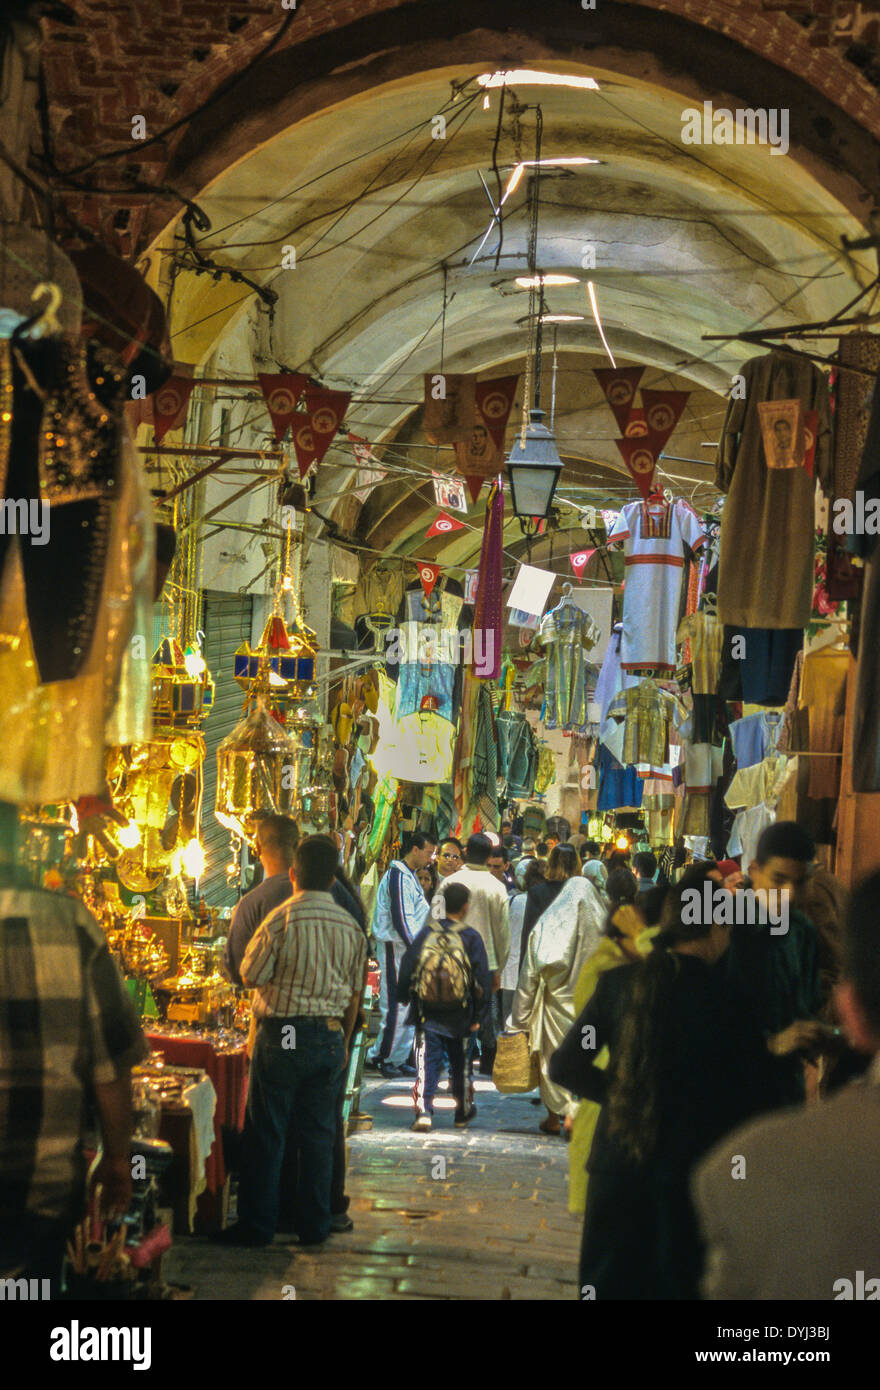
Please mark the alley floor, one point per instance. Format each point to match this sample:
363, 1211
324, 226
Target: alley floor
480, 1213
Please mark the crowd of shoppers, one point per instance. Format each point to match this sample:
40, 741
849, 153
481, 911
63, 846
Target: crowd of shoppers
675, 1047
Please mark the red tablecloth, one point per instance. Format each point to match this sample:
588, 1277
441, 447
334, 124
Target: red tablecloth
228, 1073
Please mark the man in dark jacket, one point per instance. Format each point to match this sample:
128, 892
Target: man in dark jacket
456, 952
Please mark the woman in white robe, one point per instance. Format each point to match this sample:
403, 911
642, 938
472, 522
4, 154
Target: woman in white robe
563, 938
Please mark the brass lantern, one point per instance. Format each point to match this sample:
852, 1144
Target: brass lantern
257, 771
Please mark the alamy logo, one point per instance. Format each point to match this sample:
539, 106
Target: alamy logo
741, 127
75, 1343
443, 646
857, 1290
25, 1290
746, 907
25, 516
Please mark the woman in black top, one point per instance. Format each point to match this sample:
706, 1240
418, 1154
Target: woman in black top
687, 1065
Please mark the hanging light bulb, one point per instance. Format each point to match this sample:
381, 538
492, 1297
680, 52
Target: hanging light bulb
194, 662
621, 842
192, 859
129, 835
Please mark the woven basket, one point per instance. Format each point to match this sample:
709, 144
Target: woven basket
515, 1069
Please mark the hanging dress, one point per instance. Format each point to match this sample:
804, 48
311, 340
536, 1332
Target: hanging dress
655, 536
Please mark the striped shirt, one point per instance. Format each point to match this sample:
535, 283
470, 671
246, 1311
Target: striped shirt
67, 1023
305, 959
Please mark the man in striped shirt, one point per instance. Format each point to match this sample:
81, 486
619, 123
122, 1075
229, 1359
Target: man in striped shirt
307, 963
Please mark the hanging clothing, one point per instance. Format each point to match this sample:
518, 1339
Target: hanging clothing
767, 525
706, 637
823, 694
611, 678
565, 636
752, 785
655, 537
69, 681
425, 659
619, 787
476, 756
761, 674
517, 753
746, 831
648, 712
755, 737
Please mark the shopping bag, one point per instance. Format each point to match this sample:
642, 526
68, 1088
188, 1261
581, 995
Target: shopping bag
515, 1068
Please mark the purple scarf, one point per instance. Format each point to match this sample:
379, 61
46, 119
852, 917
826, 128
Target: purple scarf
487, 609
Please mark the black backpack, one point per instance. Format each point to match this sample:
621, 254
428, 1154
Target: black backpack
443, 982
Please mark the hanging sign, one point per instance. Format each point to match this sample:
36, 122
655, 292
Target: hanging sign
619, 387
368, 476
450, 407
171, 401
480, 453
494, 403
281, 392
449, 492
641, 459
663, 410
531, 589
579, 560
442, 525
428, 574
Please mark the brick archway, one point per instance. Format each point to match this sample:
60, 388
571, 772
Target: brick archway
165, 59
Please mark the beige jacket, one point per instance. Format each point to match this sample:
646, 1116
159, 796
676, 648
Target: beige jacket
788, 1205
487, 910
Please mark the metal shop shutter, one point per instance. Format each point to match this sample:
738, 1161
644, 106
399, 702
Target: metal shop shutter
227, 623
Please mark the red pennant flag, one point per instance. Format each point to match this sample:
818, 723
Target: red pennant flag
636, 426
171, 401
443, 525
281, 392
429, 575
494, 403
474, 485
640, 457
619, 386
663, 411
320, 421
579, 560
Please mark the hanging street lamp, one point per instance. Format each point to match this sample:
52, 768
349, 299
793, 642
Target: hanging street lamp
533, 467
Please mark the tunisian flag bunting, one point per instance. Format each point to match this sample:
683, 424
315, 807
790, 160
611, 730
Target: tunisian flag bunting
171, 401
443, 524
619, 385
428, 574
281, 392
320, 421
579, 559
663, 411
640, 457
636, 426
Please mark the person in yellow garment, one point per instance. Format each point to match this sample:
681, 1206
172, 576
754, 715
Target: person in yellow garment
623, 927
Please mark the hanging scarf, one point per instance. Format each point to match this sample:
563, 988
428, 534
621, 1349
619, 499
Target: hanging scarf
487, 610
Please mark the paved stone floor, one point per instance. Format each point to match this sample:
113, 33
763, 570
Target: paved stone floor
480, 1213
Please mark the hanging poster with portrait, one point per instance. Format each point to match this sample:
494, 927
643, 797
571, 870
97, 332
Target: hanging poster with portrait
782, 431
449, 492
450, 407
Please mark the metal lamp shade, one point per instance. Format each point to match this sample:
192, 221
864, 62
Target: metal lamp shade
534, 469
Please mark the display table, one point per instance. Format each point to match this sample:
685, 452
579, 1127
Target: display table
227, 1071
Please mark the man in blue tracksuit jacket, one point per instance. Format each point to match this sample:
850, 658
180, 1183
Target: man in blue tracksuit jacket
445, 1032
400, 913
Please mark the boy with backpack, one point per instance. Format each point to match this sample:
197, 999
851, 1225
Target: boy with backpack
445, 978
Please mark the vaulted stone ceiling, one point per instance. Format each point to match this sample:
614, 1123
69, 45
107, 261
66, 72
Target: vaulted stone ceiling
327, 148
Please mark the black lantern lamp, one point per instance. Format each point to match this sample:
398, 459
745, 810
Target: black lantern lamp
534, 467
